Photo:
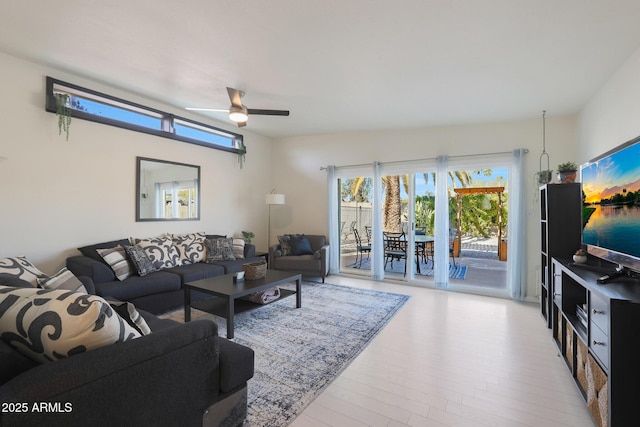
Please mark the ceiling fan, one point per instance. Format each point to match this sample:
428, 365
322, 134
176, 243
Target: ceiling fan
240, 113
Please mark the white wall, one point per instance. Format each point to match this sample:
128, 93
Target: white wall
612, 116
297, 162
56, 195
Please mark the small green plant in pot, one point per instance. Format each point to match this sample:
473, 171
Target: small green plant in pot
567, 172
247, 236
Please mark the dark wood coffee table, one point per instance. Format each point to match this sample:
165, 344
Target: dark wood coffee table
228, 293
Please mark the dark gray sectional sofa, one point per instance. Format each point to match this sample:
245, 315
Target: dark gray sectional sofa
157, 292
178, 375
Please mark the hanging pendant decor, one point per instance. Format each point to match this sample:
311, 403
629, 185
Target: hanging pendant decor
544, 176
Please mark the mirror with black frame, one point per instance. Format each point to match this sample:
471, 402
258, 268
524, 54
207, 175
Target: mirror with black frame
167, 191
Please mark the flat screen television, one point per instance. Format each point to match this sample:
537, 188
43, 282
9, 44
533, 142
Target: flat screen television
611, 207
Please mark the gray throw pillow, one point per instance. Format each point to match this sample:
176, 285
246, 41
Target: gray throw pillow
140, 260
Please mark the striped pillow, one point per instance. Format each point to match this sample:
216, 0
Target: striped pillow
63, 280
117, 259
238, 248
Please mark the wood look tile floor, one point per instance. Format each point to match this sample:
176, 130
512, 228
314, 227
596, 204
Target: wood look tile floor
452, 359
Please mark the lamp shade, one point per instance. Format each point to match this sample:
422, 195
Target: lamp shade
275, 199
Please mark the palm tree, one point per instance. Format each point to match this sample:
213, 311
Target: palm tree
392, 208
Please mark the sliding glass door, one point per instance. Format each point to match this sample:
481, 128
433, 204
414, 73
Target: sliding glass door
443, 223
355, 224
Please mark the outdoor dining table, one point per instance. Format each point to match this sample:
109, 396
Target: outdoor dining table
420, 240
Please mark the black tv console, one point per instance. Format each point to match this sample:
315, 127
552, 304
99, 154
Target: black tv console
597, 330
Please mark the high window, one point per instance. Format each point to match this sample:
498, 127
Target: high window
90, 105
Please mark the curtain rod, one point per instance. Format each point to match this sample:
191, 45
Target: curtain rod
427, 158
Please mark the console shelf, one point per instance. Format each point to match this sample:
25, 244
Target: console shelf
560, 234
601, 345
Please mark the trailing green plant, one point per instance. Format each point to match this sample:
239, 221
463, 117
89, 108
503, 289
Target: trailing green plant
242, 153
567, 167
248, 235
64, 113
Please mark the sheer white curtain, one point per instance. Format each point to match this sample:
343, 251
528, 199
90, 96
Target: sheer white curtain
517, 274
334, 232
441, 241
377, 249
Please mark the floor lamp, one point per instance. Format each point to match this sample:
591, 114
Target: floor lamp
273, 198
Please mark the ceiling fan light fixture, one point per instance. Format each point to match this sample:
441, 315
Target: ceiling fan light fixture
238, 114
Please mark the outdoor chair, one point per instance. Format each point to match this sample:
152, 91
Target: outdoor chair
453, 235
361, 248
395, 248
421, 247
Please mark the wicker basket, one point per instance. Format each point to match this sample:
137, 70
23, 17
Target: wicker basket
255, 270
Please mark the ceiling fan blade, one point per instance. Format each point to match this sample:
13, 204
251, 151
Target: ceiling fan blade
235, 96
257, 111
241, 124
221, 110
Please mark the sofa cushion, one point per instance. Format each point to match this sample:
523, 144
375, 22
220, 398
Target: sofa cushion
98, 271
12, 362
236, 365
139, 286
299, 263
219, 249
140, 260
21, 268
300, 245
47, 325
191, 248
201, 270
63, 280
118, 260
91, 250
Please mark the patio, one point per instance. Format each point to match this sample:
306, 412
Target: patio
478, 255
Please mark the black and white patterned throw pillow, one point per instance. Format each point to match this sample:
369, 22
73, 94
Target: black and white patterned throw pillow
160, 251
21, 268
191, 248
48, 325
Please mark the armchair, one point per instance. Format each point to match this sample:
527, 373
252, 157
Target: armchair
294, 254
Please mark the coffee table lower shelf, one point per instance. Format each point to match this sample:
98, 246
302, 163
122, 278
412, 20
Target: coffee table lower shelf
218, 305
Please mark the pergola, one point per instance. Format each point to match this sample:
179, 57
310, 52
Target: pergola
461, 192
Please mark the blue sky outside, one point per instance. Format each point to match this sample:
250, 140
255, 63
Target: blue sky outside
479, 180
144, 120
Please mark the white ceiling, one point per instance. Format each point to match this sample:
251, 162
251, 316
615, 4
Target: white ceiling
338, 65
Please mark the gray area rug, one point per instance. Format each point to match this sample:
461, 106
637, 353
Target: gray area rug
300, 351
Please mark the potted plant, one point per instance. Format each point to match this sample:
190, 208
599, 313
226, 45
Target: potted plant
567, 172
248, 235
580, 257
544, 177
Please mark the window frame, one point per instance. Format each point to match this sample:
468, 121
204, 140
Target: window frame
167, 119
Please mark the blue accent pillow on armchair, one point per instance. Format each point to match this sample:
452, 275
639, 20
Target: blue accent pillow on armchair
300, 245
